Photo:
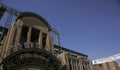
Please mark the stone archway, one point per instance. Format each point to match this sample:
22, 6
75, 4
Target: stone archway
31, 59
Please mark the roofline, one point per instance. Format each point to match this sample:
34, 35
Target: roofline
71, 50
31, 14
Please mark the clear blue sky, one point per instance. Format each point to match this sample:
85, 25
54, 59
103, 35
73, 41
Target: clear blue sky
91, 27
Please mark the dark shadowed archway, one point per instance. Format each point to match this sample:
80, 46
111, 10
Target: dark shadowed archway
31, 58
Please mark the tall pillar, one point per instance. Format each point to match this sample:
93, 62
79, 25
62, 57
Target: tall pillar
28, 38
3, 47
88, 68
51, 45
72, 64
67, 62
9, 43
77, 65
40, 40
81, 64
48, 42
17, 39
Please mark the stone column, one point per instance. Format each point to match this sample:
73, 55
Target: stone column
72, 64
4, 43
48, 42
28, 38
9, 41
88, 68
51, 45
17, 39
40, 39
81, 64
67, 61
76, 65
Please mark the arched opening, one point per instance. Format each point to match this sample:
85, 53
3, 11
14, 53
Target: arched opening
31, 59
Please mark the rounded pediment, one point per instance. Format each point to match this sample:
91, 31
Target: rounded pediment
33, 19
